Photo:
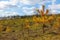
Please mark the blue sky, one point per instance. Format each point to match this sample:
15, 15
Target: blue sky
26, 7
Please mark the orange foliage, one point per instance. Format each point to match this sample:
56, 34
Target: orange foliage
8, 29
56, 25
27, 23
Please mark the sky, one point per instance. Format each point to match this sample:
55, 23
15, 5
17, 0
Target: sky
27, 7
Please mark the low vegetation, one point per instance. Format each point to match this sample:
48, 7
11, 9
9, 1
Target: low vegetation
41, 27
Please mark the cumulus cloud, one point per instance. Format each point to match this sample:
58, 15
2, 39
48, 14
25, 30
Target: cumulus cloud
3, 4
7, 4
55, 11
56, 6
28, 11
31, 11
25, 2
33, 2
5, 14
13, 2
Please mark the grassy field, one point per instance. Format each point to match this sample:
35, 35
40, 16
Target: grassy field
31, 28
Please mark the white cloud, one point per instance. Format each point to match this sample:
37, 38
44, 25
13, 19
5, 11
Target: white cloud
56, 6
11, 13
28, 11
55, 11
25, 2
6, 4
53, 2
3, 4
13, 2
33, 2
5, 13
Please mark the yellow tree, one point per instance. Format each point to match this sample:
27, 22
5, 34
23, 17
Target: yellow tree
42, 13
8, 29
27, 23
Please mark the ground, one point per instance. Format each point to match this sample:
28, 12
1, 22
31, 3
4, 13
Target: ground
30, 28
